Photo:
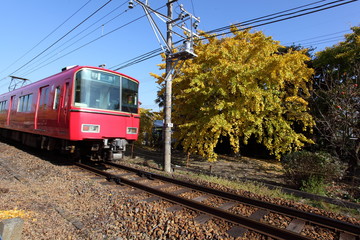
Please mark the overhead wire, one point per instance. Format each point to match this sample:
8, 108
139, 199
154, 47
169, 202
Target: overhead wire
87, 18
96, 39
321, 36
323, 7
298, 14
323, 41
46, 37
102, 25
263, 18
287, 18
156, 52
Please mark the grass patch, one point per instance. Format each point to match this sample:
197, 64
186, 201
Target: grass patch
261, 189
253, 187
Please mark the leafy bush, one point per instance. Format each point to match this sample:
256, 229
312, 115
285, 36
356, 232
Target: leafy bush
306, 169
315, 185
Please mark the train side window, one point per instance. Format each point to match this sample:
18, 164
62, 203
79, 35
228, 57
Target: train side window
19, 106
13, 100
44, 96
3, 106
24, 104
56, 97
129, 96
29, 103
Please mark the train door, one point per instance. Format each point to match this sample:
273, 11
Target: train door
64, 108
42, 108
11, 106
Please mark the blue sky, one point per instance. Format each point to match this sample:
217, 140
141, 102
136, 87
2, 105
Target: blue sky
25, 24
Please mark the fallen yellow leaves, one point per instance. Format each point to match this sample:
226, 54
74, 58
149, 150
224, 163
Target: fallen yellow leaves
7, 214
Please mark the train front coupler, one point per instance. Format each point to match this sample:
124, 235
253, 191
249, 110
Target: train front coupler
114, 149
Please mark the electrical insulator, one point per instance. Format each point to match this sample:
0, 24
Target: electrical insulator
196, 24
131, 4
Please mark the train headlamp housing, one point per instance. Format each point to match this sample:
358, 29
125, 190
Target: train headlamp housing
131, 130
90, 128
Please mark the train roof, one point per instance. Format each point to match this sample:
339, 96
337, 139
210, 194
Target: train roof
69, 70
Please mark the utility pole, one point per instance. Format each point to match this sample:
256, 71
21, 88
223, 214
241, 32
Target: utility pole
168, 94
184, 52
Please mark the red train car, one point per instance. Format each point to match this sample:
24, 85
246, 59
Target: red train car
82, 110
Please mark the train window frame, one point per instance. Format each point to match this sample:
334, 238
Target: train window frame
4, 106
97, 89
25, 103
56, 101
129, 95
44, 97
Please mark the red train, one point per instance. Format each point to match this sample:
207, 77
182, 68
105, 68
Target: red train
81, 110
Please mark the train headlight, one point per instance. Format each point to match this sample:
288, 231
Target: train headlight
90, 128
131, 130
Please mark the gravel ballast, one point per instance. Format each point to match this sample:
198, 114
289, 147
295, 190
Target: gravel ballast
59, 202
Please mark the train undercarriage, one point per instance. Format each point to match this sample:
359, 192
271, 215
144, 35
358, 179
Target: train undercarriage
94, 149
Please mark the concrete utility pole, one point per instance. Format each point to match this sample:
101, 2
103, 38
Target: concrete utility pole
168, 94
184, 52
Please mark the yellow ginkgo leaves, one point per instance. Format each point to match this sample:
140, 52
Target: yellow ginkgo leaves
241, 87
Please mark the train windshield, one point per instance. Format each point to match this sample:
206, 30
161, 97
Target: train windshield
103, 90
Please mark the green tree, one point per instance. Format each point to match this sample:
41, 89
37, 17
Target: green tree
240, 87
335, 101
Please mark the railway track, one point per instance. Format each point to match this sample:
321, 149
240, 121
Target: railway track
157, 186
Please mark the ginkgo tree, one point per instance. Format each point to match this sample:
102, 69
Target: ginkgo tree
241, 86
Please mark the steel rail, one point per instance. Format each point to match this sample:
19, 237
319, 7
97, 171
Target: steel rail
246, 222
311, 217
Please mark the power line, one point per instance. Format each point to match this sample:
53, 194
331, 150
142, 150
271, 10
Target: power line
156, 52
148, 55
320, 42
62, 37
321, 36
102, 25
46, 37
263, 18
94, 40
137, 59
310, 11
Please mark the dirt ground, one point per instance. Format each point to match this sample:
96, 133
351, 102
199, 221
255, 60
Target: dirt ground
57, 201
265, 171
234, 168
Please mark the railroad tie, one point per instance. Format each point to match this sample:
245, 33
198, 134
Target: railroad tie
137, 179
151, 199
201, 198
238, 231
203, 218
134, 192
163, 186
125, 174
176, 208
108, 183
346, 236
296, 225
155, 198
181, 191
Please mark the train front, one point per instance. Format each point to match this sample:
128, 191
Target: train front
104, 116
